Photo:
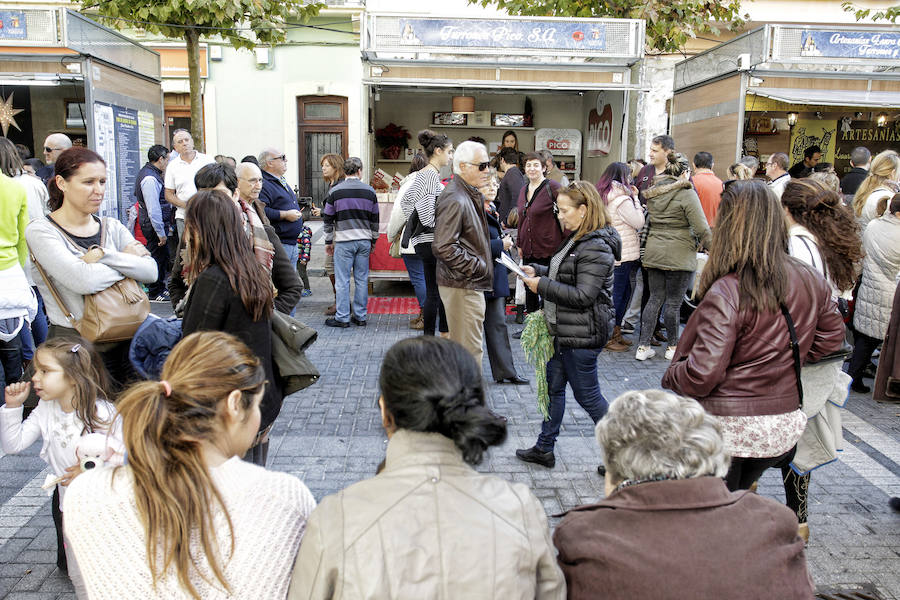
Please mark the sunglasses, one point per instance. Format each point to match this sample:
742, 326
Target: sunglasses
49, 149
481, 166
282, 157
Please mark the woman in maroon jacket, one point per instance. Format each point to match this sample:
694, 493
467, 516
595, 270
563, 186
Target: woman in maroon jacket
735, 354
539, 231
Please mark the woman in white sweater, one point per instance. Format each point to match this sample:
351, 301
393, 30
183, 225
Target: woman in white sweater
83, 254
187, 518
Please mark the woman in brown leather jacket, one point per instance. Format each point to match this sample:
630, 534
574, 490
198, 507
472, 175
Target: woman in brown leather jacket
734, 356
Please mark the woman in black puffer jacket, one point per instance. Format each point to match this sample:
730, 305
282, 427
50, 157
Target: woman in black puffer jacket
577, 292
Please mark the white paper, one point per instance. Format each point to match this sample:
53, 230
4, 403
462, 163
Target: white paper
510, 264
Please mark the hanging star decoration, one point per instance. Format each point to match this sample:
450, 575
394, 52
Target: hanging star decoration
8, 113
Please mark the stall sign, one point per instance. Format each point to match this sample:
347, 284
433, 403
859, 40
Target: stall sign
543, 35
600, 127
862, 133
12, 25
850, 44
813, 132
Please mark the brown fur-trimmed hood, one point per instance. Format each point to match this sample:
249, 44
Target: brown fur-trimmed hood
664, 184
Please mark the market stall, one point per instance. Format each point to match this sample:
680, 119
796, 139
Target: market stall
60, 72
544, 79
784, 88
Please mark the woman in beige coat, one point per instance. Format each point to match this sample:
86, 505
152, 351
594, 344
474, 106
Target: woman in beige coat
429, 525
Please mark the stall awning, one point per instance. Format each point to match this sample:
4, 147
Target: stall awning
829, 97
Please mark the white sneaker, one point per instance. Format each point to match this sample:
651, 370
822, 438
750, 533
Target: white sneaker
670, 352
644, 352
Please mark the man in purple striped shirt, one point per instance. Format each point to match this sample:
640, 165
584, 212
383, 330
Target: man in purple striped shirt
351, 230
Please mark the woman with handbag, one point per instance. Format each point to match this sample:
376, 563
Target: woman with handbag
230, 291
418, 205
736, 355
399, 238
78, 255
676, 224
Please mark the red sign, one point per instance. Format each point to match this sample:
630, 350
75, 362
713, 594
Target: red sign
600, 127
558, 144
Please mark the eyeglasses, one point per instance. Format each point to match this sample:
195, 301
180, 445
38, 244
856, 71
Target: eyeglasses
49, 149
481, 166
253, 181
282, 157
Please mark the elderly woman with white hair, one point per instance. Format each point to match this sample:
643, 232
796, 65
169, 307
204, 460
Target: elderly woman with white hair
668, 527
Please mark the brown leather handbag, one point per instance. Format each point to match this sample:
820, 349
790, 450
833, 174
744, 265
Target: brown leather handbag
110, 315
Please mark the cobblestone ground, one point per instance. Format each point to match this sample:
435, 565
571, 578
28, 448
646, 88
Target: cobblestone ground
330, 436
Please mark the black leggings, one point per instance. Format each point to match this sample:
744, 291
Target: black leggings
745, 471
434, 308
666, 287
796, 492
863, 347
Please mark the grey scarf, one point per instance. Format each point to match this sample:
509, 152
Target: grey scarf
550, 307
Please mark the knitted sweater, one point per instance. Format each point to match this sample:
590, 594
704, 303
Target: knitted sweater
351, 212
268, 513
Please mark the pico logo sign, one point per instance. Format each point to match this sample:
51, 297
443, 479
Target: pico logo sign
600, 127
559, 144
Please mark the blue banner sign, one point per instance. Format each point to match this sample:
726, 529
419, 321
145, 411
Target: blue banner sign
850, 44
12, 25
513, 34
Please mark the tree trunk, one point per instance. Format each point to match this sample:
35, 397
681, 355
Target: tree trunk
192, 39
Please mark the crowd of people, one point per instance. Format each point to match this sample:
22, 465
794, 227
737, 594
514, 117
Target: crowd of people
780, 272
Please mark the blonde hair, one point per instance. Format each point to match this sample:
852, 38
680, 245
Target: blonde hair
164, 423
583, 193
740, 171
885, 167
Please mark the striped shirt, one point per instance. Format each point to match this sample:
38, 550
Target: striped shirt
422, 197
351, 212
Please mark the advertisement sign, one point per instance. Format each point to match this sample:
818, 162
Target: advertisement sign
813, 132
128, 155
543, 35
850, 44
12, 25
852, 133
600, 127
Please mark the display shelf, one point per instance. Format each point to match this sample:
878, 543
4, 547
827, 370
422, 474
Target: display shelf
393, 160
479, 127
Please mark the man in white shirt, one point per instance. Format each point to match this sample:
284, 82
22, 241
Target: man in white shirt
776, 171
180, 174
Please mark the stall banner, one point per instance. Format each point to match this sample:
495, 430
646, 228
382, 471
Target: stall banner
813, 132
12, 25
850, 44
543, 35
862, 133
600, 127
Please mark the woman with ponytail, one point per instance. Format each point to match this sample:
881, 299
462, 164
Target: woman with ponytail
187, 518
428, 525
78, 256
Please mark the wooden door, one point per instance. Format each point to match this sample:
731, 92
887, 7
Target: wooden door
322, 129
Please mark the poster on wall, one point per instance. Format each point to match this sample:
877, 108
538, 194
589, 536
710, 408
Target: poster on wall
600, 127
105, 142
813, 132
128, 156
852, 133
147, 133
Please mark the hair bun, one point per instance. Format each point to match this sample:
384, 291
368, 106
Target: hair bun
425, 136
672, 157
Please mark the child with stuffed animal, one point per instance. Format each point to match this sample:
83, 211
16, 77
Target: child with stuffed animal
72, 383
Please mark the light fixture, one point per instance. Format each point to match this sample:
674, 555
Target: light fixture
463, 104
881, 120
858, 114
818, 114
792, 118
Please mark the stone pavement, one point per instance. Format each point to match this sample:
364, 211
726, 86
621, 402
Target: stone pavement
330, 436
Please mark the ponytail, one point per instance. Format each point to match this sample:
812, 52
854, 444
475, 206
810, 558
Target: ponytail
434, 385
164, 424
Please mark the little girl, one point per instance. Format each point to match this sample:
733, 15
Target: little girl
304, 245
71, 382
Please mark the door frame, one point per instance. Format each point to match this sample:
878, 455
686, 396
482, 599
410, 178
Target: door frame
318, 126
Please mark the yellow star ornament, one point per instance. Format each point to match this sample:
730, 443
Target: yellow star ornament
8, 114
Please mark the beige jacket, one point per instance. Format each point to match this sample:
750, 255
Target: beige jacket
428, 526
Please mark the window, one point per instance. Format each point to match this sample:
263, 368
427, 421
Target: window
322, 111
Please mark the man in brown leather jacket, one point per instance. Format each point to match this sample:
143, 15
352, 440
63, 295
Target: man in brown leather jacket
462, 248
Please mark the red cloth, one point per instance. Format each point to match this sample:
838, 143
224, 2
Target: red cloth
709, 188
381, 260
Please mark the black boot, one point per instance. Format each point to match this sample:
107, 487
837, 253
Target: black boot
537, 456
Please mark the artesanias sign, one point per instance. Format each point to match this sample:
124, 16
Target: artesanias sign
600, 127
851, 134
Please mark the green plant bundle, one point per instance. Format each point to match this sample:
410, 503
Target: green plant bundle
538, 346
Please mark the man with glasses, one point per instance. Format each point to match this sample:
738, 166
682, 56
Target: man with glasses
53, 147
280, 201
180, 174
462, 248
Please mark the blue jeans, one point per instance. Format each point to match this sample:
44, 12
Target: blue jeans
35, 335
578, 368
416, 271
293, 253
353, 255
622, 276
